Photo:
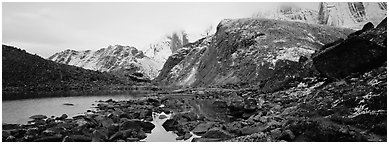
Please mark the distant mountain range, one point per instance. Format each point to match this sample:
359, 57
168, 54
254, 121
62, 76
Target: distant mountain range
121, 60
127, 61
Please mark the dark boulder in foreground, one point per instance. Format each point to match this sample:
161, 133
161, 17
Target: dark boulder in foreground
358, 53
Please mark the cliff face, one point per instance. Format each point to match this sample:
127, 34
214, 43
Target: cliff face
243, 51
121, 60
351, 14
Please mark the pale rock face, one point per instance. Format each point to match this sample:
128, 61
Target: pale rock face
351, 14
111, 59
159, 50
340, 14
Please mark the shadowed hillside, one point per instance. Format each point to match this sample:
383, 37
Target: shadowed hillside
24, 72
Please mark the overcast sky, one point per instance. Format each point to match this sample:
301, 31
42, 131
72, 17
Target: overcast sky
47, 28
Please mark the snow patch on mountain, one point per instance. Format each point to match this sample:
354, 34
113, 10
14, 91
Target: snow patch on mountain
117, 58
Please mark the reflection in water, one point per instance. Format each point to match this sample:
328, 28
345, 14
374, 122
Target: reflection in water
159, 134
19, 111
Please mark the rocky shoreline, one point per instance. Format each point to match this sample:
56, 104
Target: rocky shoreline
305, 112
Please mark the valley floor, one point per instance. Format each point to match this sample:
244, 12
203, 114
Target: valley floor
352, 109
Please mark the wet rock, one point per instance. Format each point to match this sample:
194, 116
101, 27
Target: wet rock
180, 137
217, 133
202, 128
187, 136
162, 116
132, 139
169, 125
38, 117
205, 140
147, 126
68, 104
63, 116
130, 125
149, 119
138, 125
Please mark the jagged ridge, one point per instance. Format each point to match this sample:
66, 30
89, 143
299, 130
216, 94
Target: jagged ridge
120, 60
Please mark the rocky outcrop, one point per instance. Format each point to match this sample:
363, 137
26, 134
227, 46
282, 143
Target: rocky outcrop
360, 52
124, 61
262, 51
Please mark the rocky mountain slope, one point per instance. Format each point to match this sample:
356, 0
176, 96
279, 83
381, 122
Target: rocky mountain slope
246, 51
23, 72
124, 61
343, 99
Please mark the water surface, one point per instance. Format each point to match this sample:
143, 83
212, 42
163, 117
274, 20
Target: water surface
19, 111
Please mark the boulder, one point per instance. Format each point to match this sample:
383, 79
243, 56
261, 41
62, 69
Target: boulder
162, 116
202, 128
169, 125
180, 137
287, 135
358, 53
137, 125
132, 139
248, 130
187, 136
38, 117
217, 133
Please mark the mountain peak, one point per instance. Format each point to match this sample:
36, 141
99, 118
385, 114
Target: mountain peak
125, 60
